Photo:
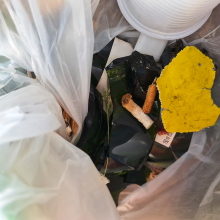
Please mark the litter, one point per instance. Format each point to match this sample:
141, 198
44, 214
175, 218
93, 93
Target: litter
82, 128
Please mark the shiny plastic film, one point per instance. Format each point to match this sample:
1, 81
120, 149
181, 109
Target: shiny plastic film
55, 40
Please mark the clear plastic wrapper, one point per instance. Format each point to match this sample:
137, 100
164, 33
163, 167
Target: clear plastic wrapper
108, 22
55, 40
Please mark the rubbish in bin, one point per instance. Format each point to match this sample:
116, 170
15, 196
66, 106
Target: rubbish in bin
133, 74
186, 99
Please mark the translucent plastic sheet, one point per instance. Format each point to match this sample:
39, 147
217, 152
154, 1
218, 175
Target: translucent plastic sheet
43, 176
108, 22
55, 39
190, 188
11, 79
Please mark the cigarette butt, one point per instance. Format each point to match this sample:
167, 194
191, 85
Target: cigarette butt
136, 111
150, 97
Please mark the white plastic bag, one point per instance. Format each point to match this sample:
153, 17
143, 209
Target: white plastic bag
43, 176
47, 178
55, 39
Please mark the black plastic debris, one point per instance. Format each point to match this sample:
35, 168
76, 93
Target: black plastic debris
165, 57
130, 142
95, 128
141, 70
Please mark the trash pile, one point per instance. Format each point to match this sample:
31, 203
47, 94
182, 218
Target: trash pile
108, 116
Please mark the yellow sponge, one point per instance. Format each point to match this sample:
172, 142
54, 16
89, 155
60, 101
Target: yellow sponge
185, 92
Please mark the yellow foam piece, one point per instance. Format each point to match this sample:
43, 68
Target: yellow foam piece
185, 92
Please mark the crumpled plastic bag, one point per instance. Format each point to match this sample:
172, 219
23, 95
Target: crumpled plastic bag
189, 188
55, 39
43, 176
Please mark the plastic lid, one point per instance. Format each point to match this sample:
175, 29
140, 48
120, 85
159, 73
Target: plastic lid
166, 19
